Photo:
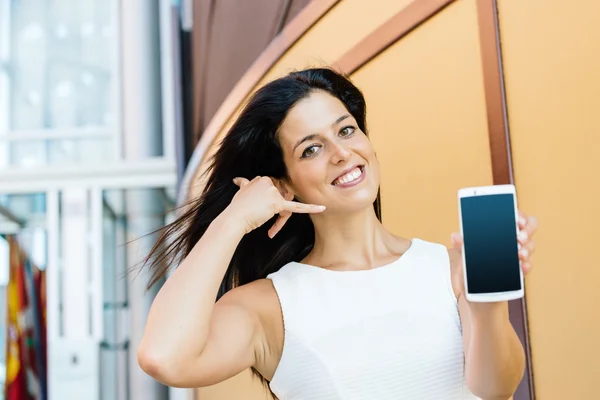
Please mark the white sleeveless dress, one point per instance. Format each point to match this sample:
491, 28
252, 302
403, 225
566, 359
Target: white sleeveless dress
392, 332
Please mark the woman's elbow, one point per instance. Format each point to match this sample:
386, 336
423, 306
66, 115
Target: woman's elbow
169, 370
151, 363
161, 368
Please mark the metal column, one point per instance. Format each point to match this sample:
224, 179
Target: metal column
142, 135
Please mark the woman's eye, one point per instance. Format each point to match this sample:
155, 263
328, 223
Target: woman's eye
347, 130
309, 151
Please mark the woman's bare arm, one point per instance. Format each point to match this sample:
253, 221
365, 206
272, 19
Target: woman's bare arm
494, 357
190, 341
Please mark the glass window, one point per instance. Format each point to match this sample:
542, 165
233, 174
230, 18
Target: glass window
58, 65
61, 57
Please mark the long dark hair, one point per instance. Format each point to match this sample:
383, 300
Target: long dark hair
251, 149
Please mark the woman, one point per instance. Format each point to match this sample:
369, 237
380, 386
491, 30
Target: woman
314, 294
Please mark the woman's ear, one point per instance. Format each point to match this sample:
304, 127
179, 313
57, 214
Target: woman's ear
284, 189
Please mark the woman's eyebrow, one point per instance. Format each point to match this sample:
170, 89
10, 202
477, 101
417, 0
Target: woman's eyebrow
314, 135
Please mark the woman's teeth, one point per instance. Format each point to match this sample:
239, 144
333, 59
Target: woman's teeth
349, 177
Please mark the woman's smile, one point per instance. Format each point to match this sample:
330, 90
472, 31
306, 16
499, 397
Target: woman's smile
350, 177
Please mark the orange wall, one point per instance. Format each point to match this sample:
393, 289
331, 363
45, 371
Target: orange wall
427, 119
552, 68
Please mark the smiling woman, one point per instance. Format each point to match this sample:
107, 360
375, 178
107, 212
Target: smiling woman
286, 132
329, 165
292, 194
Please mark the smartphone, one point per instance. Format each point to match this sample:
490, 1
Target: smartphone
488, 218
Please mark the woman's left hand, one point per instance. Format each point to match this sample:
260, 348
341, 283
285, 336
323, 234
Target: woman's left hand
527, 228
494, 355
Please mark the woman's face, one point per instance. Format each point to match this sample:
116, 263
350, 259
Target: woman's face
330, 161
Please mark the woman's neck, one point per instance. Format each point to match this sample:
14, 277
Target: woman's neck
355, 241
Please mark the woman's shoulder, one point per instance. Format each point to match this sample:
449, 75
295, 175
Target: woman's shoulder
254, 295
258, 298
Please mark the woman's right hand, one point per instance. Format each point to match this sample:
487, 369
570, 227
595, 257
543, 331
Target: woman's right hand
259, 200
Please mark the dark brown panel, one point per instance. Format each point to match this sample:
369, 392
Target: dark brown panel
494, 92
295, 7
283, 15
241, 30
203, 14
498, 130
293, 31
390, 32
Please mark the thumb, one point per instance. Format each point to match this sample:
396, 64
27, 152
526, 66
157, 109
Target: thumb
241, 182
457, 241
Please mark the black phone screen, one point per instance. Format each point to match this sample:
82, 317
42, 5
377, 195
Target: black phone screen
490, 240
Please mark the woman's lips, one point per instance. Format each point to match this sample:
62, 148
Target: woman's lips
350, 178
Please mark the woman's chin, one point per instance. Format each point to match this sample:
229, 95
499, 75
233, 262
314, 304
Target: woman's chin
352, 204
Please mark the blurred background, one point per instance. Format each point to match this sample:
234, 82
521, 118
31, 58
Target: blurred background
109, 110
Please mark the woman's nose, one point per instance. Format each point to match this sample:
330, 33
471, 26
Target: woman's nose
340, 153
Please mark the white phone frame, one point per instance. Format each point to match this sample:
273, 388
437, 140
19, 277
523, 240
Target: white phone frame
484, 191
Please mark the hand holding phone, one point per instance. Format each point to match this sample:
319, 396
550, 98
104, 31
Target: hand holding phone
489, 226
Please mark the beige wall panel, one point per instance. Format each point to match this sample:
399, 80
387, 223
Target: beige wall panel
427, 119
342, 28
336, 33
552, 70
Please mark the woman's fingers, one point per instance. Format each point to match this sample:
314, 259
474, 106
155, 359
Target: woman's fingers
528, 226
288, 208
530, 246
526, 250
527, 223
526, 266
276, 201
295, 207
532, 226
279, 223
241, 182
522, 220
